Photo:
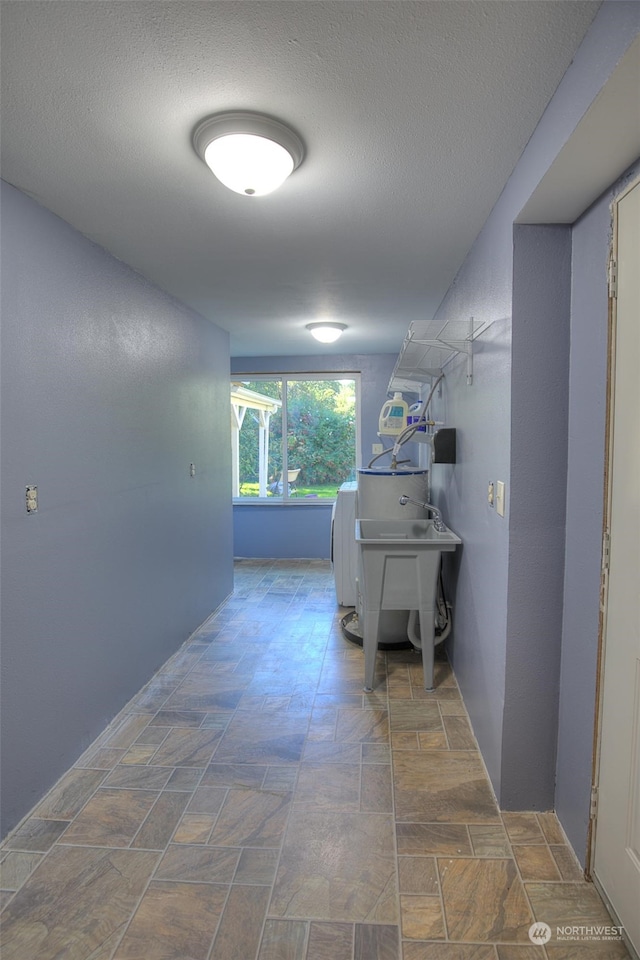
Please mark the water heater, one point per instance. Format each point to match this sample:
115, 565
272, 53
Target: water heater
379, 490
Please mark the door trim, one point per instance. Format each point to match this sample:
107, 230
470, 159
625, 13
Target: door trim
606, 526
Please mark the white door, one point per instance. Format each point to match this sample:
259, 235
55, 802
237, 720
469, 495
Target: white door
617, 838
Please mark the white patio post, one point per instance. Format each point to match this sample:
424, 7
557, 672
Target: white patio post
263, 452
237, 417
242, 400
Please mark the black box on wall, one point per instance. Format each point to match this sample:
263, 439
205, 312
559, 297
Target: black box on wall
444, 445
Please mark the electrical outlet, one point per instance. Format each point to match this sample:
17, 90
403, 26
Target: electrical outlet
192, 469
500, 498
490, 493
32, 499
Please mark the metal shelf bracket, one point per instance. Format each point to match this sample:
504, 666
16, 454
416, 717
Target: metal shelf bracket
416, 365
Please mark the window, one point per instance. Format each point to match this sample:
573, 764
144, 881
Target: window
317, 416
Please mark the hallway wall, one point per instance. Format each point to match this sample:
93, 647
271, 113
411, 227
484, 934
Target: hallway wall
109, 389
537, 504
490, 590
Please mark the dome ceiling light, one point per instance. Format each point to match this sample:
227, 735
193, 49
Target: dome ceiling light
326, 331
248, 152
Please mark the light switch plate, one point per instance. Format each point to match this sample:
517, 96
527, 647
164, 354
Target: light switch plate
500, 498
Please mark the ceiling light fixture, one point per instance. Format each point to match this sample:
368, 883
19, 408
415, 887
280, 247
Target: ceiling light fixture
326, 331
248, 152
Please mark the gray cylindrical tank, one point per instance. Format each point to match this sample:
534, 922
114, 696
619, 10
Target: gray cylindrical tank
379, 490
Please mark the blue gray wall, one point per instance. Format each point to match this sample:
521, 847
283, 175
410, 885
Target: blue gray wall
497, 656
538, 475
303, 530
282, 530
109, 392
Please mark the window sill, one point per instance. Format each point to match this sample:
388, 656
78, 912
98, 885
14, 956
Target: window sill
272, 502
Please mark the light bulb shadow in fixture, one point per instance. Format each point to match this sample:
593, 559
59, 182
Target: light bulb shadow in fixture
249, 153
326, 331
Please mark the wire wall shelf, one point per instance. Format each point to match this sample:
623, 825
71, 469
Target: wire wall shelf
428, 346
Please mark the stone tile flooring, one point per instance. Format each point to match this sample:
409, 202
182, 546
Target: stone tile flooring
252, 803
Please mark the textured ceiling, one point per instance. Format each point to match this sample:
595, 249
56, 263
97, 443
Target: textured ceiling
413, 115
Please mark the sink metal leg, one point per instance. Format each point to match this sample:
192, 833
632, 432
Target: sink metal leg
370, 644
427, 635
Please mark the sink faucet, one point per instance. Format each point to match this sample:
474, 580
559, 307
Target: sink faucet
438, 523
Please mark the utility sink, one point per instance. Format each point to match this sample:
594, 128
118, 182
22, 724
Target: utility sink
414, 533
398, 570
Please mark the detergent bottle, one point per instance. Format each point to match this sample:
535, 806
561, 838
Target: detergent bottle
393, 416
414, 417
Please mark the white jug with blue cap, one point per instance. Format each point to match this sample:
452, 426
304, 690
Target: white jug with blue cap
393, 416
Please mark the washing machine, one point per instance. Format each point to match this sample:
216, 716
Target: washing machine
344, 549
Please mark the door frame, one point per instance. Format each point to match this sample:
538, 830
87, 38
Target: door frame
606, 527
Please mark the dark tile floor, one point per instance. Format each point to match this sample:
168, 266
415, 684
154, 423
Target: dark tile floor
252, 803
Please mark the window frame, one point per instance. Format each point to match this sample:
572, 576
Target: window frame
284, 499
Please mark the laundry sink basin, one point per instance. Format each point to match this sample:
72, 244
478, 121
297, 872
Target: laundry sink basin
398, 570
414, 534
